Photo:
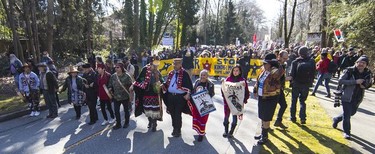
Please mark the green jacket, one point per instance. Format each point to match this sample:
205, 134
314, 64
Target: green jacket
119, 93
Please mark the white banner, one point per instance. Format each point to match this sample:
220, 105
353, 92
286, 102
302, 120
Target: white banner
202, 100
234, 93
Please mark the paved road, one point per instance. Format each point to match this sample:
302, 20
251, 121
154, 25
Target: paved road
363, 122
67, 135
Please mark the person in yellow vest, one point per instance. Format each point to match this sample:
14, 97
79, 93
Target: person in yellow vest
324, 50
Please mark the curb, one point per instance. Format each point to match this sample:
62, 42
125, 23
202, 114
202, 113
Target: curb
17, 114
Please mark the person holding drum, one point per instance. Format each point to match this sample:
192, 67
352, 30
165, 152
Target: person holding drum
267, 91
201, 84
234, 103
147, 90
74, 84
104, 97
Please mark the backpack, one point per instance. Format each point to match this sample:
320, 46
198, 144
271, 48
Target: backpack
332, 67
305, 71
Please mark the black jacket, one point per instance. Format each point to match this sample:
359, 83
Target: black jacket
52, 85
91, 92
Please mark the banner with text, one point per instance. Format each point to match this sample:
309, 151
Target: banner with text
215, 66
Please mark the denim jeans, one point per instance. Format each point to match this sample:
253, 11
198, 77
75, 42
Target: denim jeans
326, 77
349, 109
283, 106
300, 92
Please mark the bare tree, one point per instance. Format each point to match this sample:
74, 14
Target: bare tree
323, 24
287, 33
35, 33
136, 24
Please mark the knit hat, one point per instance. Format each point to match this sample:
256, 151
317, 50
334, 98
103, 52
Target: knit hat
303, 51
363, 58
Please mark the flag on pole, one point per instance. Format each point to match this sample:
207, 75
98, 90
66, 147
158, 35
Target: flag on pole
254, 40
339, 35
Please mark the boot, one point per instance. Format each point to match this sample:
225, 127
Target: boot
230, 135
153, 129
226, 127
264, 138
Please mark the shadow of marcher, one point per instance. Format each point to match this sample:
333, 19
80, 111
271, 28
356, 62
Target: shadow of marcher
178, 145
370, 147
324, 140
241, 148
260, 148
366, 111
293, 149
148, 142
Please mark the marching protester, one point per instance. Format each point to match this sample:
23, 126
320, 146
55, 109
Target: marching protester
187, 60
31, 63
91, 90
302, 76
75, 85
104, 98
15, 68
267, 91
323, 74
177, 88
245, 64
348, 60
233, 104
147, 90
354, 81
48, 87
119, 85
29, 88
282, 58
201, 84
129, 67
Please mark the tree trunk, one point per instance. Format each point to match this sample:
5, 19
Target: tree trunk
136, 25
323, 24
30, 42
217, 22
292, 20
34, 26
50, 22
151, 24
309, 16
16, 41
286, 39
205, 22
88, 25
143, 24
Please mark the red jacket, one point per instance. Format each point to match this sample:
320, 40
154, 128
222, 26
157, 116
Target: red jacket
101, 81
322, 66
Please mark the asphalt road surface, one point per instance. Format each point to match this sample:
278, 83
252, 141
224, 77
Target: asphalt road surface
65, 134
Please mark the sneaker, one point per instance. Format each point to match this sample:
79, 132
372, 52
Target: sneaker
347, 136
32, 113
116, 127
303, 122
36, 113
112, 121
258, 137
334, 124
328, 96
312, 94
294, 120
200, 138
104, 122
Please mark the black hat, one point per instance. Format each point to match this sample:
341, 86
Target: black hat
351, 49
270, 58
363, 58
324, 54
87, 65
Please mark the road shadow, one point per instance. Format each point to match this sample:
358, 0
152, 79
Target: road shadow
324, 140
238, 146
148, 142
366, 111
368, 146
291, 147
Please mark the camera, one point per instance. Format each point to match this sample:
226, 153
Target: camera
338, 94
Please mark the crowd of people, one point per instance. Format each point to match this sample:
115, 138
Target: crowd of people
121, 82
